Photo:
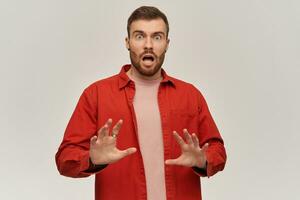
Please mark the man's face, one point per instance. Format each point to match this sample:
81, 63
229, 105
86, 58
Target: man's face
147, 45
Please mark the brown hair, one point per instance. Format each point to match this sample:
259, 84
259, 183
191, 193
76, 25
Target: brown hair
147, 13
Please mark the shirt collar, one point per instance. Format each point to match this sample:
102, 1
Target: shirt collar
124, 79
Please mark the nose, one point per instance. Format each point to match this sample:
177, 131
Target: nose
148, 43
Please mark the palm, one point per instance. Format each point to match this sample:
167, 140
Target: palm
188, 154
191, 153
103, 148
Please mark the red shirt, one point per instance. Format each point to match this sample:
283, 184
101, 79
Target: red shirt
181, 106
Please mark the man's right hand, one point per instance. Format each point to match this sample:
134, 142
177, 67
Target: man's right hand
103, 148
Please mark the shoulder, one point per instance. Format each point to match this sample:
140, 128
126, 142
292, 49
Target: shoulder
103, 83
183, 85
187, 89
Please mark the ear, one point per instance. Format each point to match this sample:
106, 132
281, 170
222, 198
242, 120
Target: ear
168, 41
127, 43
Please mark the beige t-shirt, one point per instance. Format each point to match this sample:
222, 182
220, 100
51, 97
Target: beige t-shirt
150, 135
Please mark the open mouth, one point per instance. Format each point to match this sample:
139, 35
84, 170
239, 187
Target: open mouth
148, 58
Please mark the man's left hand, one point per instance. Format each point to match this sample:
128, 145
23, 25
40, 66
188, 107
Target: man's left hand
191, 153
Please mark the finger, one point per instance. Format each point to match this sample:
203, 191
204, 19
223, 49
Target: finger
205, 147
188, 137
128, 151
117, 128
93, 140
107, 127
195, 140
172, 162
179, 139
101, 132
104, 130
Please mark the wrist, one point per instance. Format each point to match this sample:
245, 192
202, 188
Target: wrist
96, 159
93, 165
94, 168
201, 163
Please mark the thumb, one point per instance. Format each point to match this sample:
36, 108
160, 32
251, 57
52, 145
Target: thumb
128, 151
170, 162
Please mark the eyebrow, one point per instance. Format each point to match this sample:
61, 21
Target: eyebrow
155, 33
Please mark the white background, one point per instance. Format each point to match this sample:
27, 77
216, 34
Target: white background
243, 55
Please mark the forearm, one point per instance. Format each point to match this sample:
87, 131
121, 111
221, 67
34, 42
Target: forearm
73, 161
216, 158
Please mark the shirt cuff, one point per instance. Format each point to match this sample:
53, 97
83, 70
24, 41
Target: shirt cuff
201, 171
88, 167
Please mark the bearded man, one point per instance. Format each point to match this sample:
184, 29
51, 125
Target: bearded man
144, 134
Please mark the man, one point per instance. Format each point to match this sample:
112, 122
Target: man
144, 134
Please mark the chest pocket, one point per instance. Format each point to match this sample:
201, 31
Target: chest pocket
183, 119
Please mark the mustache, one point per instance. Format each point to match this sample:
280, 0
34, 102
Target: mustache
148, 52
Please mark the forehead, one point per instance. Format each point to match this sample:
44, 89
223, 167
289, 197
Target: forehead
148, 26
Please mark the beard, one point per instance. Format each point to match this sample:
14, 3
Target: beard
136, 62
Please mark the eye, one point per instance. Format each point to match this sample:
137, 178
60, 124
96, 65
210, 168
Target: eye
157, 37
139, 36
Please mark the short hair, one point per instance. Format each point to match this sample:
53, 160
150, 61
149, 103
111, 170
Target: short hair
147, 13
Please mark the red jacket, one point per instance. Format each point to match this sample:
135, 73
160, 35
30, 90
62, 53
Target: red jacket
181, 106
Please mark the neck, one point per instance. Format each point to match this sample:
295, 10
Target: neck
134, 73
